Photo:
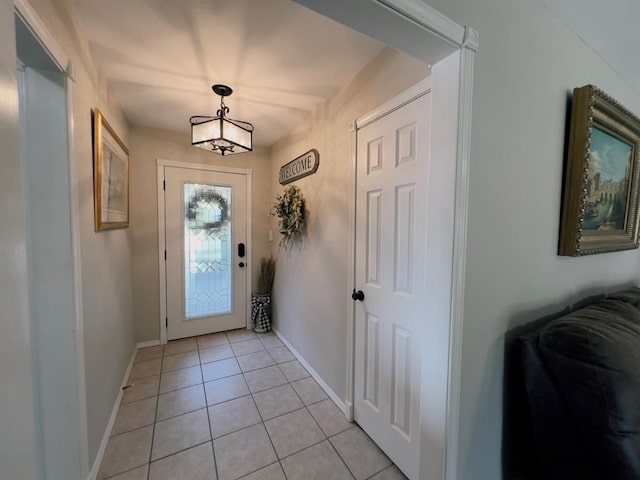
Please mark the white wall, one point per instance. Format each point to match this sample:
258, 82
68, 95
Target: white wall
527, 65
311, 292
18, 455
147, 145
106, 257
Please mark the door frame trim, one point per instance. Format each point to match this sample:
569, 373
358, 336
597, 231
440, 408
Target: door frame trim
420, 89
42, 34
443, 43
409, 95
49, 44
161, 164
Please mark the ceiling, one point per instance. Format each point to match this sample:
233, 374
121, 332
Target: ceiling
610, 28
162, 56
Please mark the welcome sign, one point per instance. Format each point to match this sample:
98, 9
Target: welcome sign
302, 166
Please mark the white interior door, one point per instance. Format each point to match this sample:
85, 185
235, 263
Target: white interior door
392, 161
206, 268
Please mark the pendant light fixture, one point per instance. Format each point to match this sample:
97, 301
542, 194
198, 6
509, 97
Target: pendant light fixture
221, 134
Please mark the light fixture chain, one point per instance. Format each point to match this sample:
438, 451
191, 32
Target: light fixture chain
223, 108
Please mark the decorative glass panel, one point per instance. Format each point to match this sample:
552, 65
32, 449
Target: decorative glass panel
207, 250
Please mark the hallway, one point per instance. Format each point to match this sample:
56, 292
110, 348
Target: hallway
233, 405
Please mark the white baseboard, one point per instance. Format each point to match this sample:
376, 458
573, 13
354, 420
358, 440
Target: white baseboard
148, 343
346, 409
93, 474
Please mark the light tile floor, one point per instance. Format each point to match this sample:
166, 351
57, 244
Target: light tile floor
233, 405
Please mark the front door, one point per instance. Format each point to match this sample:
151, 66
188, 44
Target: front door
206, 245
392, 160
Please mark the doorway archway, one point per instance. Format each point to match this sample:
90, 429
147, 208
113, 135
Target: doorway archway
419, 30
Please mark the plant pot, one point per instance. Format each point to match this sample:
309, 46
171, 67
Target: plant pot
261, 313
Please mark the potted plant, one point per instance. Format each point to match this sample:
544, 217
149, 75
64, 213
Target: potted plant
261, 300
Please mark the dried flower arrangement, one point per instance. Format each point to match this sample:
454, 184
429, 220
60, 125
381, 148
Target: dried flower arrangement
290, 209
266, 275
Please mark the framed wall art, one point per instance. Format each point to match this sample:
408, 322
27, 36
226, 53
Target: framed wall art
110, 175
600, 208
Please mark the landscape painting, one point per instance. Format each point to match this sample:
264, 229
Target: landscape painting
602, 175
114, 177
610, 166
110, 175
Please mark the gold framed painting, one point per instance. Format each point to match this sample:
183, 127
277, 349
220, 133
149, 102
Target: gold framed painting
600, 207
110, 176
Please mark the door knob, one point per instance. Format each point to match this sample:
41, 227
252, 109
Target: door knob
359, 295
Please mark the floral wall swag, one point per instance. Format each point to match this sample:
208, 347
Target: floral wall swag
290, 209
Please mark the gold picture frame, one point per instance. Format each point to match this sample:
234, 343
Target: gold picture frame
600, 208
110, 176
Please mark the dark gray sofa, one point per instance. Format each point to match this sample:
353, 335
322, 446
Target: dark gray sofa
581, 376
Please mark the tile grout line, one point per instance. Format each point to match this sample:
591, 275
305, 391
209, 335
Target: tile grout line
129, 380
143, 398
206, 406
355, 425
182, 450
241, 429
268, 436
155, 417
157, 396
251, 393
256, 405
159, 420
278, 459
179, 388
156, 421
380, 471
264, 426
327, 438
126, 471
303, 407
340, 456
251, 473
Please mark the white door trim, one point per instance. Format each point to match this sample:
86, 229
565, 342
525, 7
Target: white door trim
44, 37
201, 166
77, 268
413, 93
49, 44
399, 101
468, 49
162, 246
437, 32
161, 164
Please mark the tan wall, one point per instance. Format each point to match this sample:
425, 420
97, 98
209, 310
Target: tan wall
147, 145
106, 257
311, 291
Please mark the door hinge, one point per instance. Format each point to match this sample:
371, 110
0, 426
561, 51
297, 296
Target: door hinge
165, 255
166, 322
164, 184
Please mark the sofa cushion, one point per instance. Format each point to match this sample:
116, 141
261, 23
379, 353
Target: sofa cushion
556, 440
630, 296
593, 355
